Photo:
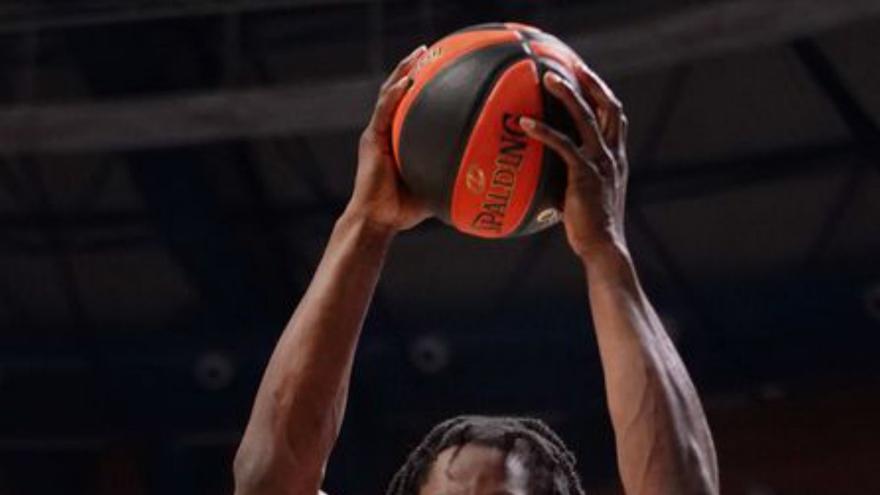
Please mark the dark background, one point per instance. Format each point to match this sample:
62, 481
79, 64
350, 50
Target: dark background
170, 171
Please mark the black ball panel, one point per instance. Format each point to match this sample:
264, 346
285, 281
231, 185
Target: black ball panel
437, 126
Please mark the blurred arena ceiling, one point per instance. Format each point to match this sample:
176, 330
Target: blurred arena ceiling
170, 172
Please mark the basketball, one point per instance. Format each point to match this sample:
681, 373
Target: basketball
456, 134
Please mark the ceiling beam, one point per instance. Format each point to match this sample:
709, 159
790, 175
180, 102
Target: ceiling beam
27, 17
694, 33
187, 119
714, 28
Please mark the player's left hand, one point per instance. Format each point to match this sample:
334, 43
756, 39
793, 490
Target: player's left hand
596, 160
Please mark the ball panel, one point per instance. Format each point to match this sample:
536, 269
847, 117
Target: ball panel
500, 168
439, 121
443, 153
551, 48
488, 26
545, 209
439, 55
524, 28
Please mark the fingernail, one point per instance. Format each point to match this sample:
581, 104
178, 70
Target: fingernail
421, 49
552, 77
527, 123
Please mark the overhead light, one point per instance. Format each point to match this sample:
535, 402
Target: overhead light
214, 370
429, 354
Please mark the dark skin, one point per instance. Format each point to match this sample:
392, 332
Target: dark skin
664, 445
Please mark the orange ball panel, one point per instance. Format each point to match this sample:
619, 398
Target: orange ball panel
501, 166
437, 57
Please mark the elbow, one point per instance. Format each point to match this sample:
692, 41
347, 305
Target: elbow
250, 470
703, 469
263, 468
709, 482
704, 484
258, 470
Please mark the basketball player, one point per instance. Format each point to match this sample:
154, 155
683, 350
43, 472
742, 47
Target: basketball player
664, 445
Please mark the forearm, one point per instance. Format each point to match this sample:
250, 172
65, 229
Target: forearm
300, 403
664, 444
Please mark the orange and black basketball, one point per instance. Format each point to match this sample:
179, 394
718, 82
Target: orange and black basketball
456, 134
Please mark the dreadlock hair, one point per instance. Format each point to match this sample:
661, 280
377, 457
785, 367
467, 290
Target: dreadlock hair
548, 461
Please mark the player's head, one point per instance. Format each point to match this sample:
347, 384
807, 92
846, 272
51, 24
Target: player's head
489, 455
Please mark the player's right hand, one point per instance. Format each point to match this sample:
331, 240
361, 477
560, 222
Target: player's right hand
379, 195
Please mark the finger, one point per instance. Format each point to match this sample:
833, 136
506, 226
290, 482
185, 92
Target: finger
403, 67
585, 119
621, 146
580, 111
624, 132
386, 105
596, 87
558, 142
604, 98
615, 123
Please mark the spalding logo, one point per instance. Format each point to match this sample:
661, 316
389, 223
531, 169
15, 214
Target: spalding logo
511, 152
475, 180
548, 216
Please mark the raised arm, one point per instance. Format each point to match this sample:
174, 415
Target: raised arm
664, 446
299, 406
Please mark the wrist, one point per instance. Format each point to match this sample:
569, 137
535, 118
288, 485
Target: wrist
606, 256
364, 228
